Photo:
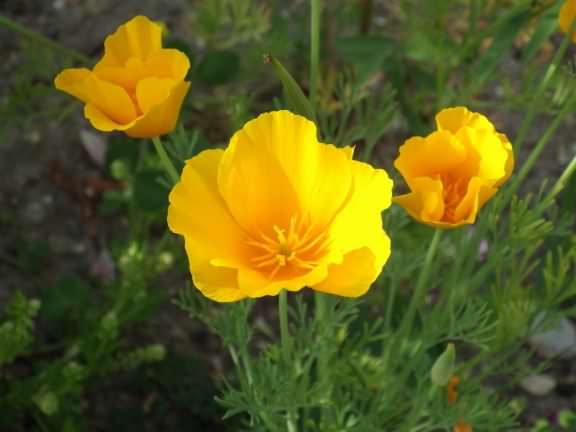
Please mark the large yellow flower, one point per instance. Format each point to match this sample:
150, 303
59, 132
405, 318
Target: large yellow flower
453, 171
566, 17
137, 87
277, 209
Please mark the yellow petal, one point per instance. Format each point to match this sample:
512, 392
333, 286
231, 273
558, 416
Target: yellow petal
153, 91
101, 121
439, 152
256, 285
162, 115
509, 168
110, 100
73, 81
566, 16
217, 283
425, 203
198, 212
165, 63
479, 191
168, 63
358, 271
137, 38
453, 119
358, 236
282, 150
490, 154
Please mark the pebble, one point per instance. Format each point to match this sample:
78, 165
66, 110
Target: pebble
538, 385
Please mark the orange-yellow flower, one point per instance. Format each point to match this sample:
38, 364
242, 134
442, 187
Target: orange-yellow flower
455, 170
277, 209
566, 17
137, 87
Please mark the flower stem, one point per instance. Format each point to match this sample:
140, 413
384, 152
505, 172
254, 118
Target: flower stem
314, 51
421, 284
537, 99
165, 159
286, 345
37, 37
284, 333
540, 145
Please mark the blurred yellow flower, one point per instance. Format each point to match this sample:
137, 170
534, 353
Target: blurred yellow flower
453, 171
566, 17
277, 209
137, 87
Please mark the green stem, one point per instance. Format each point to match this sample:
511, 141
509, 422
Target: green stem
286, 345
165, 159
537, 99
37, 37
314, 51
562, 181
539, 148
322, 363
284, 333
421, 284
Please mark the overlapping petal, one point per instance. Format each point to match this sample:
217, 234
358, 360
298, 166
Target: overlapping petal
294, 213
137, 87
455, 170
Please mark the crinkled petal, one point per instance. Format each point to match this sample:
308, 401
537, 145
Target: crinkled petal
281, 148
437, 153
509, 167
358, 271
490, 155
453, 119
162, 116
198, 212
138, 38
359, 240
425, 203
479, 191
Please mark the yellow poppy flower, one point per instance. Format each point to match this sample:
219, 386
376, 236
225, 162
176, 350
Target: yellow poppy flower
137, 87
277, 209
566, 17
455, 170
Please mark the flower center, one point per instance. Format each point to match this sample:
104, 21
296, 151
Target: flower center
453, 192
290, 251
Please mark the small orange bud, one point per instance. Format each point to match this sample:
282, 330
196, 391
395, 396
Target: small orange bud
452, 392
462, 426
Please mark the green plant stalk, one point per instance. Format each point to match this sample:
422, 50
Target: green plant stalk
562, 181
286, 345
421, 284
314, 52
37, 37
320, 315
165, 159
539, 148
537, 99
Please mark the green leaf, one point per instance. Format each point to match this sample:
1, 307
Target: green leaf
218, 67
149, 194
297, 101
547, 25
